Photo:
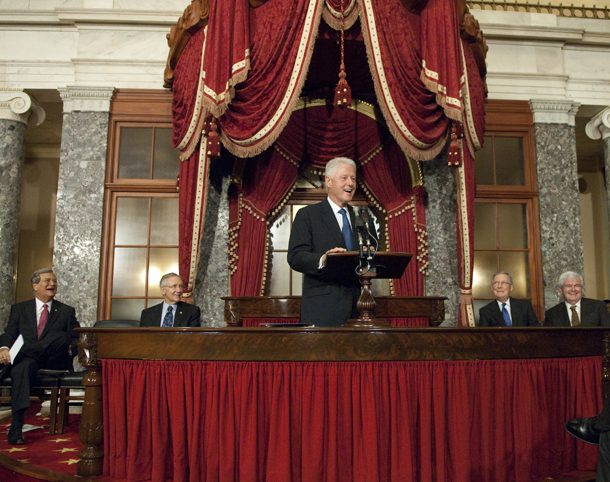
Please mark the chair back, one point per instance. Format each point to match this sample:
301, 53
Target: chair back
117, 324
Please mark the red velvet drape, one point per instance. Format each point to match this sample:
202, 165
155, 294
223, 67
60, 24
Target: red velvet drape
430, 421
265, 181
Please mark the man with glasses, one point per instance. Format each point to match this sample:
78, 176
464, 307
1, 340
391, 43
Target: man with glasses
576, 310
505, 310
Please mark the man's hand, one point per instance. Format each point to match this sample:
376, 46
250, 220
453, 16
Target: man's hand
5, 357
334, 250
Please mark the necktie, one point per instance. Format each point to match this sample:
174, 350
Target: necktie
168, 320
44, 317
347, 231
575, 318
506, 315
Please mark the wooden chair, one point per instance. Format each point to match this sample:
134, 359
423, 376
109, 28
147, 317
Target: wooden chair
46, 388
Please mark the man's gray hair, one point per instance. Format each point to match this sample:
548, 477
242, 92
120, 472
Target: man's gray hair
35, 279
510, 278
165, 277
569, 275
333, 165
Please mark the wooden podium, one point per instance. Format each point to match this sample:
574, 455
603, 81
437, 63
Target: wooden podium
384, 265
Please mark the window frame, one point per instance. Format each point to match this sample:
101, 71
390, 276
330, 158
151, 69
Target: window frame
514, 119
128, 108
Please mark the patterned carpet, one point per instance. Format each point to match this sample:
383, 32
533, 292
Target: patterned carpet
44, 456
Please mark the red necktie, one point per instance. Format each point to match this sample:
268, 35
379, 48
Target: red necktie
44, 317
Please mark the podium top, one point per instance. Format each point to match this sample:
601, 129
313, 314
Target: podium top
387, 264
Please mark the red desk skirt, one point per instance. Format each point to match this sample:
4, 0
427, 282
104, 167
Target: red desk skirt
458, 421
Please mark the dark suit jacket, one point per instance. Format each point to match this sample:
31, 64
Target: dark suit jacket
592, 313
521, 311
186, 315
22, 321
327, 300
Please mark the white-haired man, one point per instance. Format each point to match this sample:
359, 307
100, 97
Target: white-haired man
173, 312
320, 229
576, 310
506, 310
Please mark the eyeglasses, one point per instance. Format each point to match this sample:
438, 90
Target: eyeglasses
500, 283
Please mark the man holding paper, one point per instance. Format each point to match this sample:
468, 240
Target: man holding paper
49, 341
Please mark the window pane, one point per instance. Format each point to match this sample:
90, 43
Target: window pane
164, 221
512, 226
126, 309
483, 164
484, 226
509, 161
485, 266
162, 261
517, 264
166, 162
134, 155
129, 272
280, 231
280, 275
131, 220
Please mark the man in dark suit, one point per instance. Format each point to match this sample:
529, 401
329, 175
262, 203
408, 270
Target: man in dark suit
576, 310
320, 229
47, 327
505, 310
173, 311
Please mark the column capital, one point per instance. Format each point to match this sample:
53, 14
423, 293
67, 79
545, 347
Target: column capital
554, 111
86, 99
599, 125
18, 106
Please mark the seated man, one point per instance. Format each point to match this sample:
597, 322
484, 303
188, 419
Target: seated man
576, 310
173, 311
49, 339
505, 310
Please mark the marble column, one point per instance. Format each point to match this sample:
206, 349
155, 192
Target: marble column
599, 128
80, 198
441, 222
559, 202
17, 110
212, 280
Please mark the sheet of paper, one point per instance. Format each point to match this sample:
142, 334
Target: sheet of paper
16, 347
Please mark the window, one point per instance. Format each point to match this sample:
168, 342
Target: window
506, 206
141, 204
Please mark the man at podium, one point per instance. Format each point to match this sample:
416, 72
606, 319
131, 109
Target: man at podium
319, 229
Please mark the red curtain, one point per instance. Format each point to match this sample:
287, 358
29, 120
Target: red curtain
265, 181
430, 421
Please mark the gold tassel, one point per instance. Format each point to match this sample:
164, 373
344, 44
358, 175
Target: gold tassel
343, 92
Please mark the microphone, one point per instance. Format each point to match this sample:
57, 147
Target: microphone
364, 212
359, 230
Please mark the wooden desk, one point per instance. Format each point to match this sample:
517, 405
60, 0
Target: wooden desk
239, 307
262, 345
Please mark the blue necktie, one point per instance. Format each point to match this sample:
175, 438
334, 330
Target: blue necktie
168, 320
347, 231
506, 315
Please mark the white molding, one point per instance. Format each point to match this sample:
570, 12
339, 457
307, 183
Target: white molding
554, 111
101, 16
86, 99
599, 125
18, 106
